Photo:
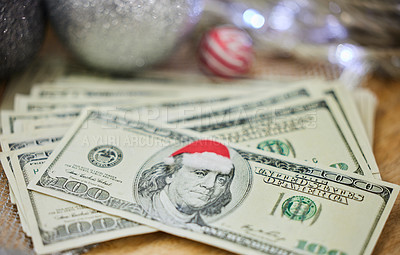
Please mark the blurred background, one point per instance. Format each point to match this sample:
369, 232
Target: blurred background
338, 38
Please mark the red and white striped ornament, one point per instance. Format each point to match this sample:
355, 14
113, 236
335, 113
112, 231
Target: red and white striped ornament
226, 51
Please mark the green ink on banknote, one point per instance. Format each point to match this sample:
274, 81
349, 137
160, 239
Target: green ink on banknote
275, 146
299, 208
342, 166
319, 249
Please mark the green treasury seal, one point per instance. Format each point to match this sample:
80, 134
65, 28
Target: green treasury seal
105, 156
299, 208
277, 146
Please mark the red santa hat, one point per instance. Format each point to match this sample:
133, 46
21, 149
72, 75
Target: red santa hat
204, 154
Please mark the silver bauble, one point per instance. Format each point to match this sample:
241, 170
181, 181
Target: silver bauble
123, 35
22, 26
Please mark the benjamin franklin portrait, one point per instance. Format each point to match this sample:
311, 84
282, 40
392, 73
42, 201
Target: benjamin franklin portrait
194, 181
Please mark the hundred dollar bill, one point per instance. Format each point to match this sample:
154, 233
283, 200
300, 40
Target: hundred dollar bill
178, 111
309, 89
27, 103
12, 142
300, 91
366, 103
16, 142
84, 91
172, 81
27, 122
348, 108
313, 130
236, 198
164, 110
209, 94
58, 225
16, 122
45, 125
24, 103
19, 141
90, 89
19, 122
14, 193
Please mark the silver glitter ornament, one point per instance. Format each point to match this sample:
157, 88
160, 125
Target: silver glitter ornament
22, 26
123, 36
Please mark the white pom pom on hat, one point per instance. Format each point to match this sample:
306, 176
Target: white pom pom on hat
204, 154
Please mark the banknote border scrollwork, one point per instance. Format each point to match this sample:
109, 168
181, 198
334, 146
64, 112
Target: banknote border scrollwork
302, 169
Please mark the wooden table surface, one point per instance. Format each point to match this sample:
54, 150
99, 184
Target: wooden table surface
387, 152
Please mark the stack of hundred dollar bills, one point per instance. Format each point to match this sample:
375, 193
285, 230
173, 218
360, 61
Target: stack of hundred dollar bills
265, 168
